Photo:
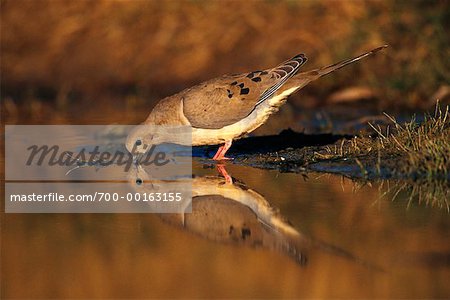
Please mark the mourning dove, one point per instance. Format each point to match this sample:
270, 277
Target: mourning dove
227, 108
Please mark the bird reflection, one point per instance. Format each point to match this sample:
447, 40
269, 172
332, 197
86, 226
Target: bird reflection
225, 210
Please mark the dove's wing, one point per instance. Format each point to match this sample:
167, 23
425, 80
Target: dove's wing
229, 99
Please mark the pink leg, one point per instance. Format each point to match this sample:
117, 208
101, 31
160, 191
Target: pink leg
222, 150
224, 173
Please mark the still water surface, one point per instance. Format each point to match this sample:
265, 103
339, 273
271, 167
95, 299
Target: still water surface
295, 236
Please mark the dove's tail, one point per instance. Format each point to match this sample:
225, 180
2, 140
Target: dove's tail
328, 69
301, 79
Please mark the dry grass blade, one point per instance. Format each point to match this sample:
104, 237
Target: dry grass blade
415, 150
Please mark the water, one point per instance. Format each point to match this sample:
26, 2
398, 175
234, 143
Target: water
308, 236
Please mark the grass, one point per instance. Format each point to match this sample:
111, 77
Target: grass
411, 150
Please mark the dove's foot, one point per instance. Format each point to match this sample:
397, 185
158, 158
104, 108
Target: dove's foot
220, 154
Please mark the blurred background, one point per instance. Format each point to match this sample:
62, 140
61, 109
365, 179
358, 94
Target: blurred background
60, 58
103, 62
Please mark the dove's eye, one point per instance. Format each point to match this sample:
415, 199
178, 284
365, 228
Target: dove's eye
138, 181
138, 142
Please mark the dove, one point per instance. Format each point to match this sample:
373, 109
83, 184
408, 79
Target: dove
227, 108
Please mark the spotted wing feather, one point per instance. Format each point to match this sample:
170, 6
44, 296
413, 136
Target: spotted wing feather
229, 99
282, 73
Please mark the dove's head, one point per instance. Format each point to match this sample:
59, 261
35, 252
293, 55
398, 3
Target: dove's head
137, 144
141, 139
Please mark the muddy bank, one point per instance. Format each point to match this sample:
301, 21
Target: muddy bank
288, 151
291, 151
